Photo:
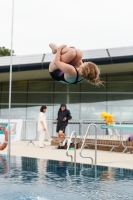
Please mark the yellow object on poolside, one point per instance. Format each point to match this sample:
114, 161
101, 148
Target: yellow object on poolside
103, 114
108, 118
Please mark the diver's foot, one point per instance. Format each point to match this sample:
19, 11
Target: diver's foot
53, 47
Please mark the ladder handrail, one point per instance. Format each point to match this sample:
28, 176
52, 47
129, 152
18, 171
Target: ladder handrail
74, 148
83, 144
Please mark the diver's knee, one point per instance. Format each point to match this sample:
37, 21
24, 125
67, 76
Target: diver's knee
73, 52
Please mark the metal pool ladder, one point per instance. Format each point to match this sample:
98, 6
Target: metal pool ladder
83, 144
74, 148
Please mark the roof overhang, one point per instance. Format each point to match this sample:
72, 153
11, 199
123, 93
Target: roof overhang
115, 60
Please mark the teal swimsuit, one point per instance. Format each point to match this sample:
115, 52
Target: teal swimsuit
58, 75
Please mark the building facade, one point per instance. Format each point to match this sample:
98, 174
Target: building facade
32, 87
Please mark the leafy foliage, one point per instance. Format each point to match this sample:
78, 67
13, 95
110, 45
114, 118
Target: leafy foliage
5, 52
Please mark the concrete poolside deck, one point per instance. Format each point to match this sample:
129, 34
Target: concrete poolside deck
104, 158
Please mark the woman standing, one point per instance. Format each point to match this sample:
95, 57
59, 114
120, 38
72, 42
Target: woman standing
42, 126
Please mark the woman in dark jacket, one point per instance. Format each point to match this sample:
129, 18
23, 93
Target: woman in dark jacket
62, 120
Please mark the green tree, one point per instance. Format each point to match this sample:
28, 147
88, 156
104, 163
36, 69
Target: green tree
5, 52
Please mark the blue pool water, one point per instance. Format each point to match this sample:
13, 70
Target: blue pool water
38, 179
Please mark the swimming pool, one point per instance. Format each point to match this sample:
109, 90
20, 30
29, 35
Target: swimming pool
38, 179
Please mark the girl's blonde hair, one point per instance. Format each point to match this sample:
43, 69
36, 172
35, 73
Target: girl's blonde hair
91, 73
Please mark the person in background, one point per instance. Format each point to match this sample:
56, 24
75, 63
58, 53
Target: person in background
130, 139
62, 120
112, 132
42, 126
109, 119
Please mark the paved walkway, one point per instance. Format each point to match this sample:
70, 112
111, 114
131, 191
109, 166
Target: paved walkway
104, 158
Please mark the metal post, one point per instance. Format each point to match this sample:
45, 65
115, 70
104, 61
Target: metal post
10, 88
83, 143
68, 99
75, 150
95, 145
95, 152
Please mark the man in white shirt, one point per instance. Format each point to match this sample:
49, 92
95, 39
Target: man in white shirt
42, 127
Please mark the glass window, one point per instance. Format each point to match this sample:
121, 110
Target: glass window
75, 110
120, 99
17, 112
55, 111
74, 87
120, 77
120, 87
0, 97
40, 86
93, 97
121, 113
15, 97
60, 87
92, 111
85, 101
40, 98
61, 98
87, 87
74, 98
0, 86
33, 111
20, 86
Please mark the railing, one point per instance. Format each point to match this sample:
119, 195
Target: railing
84, 144
103, 137
30, 132
68, 146
122, 127
124, 136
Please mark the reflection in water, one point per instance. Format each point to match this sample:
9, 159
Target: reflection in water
57, 167
108, 174
29, 164
33, 179
61, 169
42, 166
3, 165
